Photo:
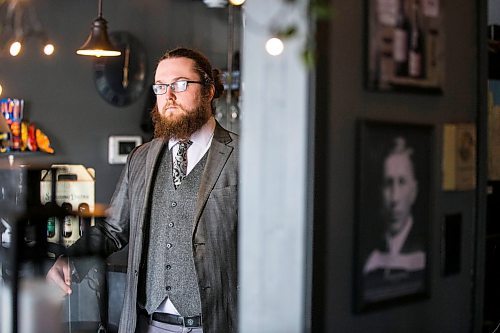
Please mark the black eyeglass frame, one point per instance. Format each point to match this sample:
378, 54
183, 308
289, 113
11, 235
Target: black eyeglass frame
173, 85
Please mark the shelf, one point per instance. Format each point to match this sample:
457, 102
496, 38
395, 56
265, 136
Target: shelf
31, 158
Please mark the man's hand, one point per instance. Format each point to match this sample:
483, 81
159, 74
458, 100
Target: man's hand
60, 274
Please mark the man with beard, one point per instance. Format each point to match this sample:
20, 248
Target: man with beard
176, 206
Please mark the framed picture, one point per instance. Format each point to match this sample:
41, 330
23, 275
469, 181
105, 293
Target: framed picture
393, 213
459, 157
404, 50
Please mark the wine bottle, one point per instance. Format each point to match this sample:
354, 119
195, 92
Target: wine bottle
416, 54
83, 217
67, 230
51, 227
400, 41
51, 222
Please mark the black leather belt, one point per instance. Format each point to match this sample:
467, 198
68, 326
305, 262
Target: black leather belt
167, 318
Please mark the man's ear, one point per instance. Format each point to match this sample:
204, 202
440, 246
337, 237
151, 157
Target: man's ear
212, 91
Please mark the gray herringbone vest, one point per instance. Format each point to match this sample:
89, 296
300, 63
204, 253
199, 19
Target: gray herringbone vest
170, 269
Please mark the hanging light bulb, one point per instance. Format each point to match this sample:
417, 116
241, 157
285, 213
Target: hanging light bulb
98, 43
48, 49
274, 46
15, 48
236, 2
215, 3
20, 25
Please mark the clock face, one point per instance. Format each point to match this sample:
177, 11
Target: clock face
121, 80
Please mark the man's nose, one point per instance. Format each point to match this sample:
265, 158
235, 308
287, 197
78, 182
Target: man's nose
395, 195
170, 93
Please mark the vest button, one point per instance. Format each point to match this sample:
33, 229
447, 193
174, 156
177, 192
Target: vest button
169, 267
169, 288
173, 204
171, 224
169, 245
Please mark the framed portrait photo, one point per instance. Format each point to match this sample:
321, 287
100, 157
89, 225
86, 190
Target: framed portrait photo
404, 47
393, 213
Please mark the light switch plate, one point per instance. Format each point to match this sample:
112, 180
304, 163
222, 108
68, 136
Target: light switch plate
120, 146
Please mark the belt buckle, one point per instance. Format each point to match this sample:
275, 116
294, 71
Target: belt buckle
190, 322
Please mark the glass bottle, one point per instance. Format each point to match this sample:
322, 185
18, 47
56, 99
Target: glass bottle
67, 230
416, 54
400, 41
83, 217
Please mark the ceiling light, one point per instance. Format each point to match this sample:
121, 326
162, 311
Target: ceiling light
48, 49
215, 3
274, 46
98, 43
18, 24
236, 2
15, 48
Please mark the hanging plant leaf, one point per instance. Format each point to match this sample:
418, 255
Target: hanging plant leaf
308, 56
320, 10
287, 32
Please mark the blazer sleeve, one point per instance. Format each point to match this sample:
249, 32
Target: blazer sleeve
109, 234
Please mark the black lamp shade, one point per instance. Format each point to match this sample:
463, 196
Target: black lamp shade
98, 43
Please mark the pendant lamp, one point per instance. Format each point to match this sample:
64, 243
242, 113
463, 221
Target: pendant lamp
98, 43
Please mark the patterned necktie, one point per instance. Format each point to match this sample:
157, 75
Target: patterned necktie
180, 162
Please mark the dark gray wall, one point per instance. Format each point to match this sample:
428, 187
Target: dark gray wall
342, 100
60, 93
493, 12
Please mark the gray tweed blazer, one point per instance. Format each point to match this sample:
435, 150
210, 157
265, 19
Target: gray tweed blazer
214, 235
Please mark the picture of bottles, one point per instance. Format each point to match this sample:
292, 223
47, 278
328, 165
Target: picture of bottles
71, 205
66, 230
405, 47
408, 45
67, 226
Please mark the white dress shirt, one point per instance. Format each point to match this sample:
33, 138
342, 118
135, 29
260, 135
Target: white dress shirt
201, 139
394, 259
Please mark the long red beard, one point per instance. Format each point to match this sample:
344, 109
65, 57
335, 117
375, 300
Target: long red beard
180, 127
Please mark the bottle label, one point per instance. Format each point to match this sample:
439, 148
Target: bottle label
400, 45
386, 68
67, 227
415, 64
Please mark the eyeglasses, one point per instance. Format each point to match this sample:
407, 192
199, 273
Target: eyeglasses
176, 86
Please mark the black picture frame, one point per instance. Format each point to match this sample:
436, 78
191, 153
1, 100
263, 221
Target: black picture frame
387, 152
401, 55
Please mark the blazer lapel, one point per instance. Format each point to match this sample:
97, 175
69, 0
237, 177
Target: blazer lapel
217, 157
151, 159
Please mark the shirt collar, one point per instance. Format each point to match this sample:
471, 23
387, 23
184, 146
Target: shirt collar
396, 242
201, 137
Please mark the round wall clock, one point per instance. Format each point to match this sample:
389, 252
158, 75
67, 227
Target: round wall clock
121, 80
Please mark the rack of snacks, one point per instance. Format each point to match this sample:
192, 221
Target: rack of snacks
17, 134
